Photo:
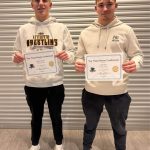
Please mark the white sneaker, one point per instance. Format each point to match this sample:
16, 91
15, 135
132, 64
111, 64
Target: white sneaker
58, 147
37, 147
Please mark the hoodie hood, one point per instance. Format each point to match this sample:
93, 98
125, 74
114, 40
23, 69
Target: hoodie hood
41, 25
114, 23
33, 20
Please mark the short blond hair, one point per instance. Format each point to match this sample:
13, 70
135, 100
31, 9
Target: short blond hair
48, 0
96, 1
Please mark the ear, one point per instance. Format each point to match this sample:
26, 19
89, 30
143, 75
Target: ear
32, 5
116, 5
95, 8
50, 4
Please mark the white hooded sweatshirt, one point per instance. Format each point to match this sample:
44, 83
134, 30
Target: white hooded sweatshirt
116, 37
49, 33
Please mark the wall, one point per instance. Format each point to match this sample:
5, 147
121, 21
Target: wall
76, 14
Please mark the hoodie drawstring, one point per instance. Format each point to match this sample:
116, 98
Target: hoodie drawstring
107, 36
99, 36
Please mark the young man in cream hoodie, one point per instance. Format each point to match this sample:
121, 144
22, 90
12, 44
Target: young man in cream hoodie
44, 33
109, 36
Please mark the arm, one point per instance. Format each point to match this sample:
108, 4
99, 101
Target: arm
17, 56
134, 54
67, 54
79, 62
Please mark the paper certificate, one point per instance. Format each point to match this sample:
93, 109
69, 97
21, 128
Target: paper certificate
41, 62
106, 67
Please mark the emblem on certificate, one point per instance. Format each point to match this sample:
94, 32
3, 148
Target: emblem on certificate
41, 62
103, 67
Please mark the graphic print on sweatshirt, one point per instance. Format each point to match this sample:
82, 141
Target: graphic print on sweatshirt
41, 40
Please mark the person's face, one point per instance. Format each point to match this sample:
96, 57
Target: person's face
105, 9
41, 8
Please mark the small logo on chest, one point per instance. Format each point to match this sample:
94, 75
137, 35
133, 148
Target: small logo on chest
115, 38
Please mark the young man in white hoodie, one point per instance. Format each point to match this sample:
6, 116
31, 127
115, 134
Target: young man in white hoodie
43, 33
109, 35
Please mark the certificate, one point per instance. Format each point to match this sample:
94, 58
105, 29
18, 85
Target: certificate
106, 67
41, 62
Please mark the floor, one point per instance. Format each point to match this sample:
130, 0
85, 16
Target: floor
19, 139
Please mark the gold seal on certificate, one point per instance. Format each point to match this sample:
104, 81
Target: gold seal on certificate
103, 67
51, 63
115, 68
41, 62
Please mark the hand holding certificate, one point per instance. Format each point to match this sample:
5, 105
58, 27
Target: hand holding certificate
41, 62
105, 67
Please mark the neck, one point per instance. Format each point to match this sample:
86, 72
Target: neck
105, 21
42, 19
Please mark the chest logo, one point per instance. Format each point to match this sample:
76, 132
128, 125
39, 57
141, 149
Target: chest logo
115, 38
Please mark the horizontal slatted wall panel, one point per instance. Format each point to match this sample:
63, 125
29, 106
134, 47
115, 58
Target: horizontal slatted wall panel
76, 14
137, 15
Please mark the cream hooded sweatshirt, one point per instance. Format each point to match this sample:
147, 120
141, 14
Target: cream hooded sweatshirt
116, 37
34, 35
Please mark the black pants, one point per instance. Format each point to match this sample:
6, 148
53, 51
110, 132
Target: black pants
117, 107
36, 98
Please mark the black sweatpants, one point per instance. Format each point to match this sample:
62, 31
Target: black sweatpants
117, 107
36, 98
